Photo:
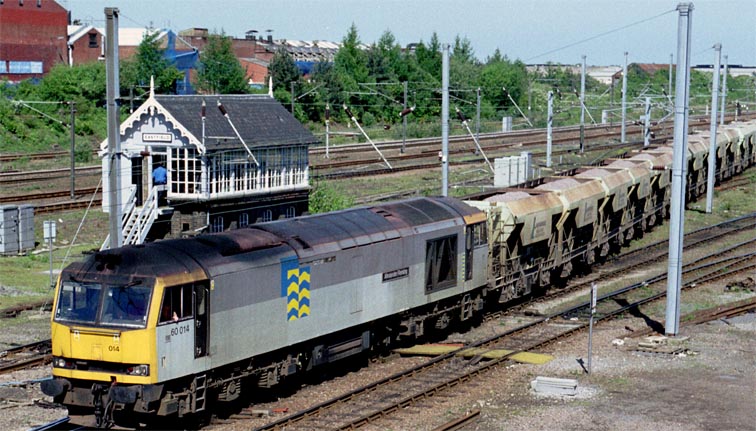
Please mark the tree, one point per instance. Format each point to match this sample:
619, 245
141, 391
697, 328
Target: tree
351, 67
464, 68
429, 57
463, 50
385, 59
150, 62
219, 71
282, 69
331, 90
83, 83
500, 73
495, 57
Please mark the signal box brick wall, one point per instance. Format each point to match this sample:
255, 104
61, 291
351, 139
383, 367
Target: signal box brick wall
31, 31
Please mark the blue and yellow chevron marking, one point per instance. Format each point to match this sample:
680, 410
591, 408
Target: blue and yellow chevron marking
295, 286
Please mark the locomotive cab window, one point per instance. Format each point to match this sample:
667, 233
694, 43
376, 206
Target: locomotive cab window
126, 304
440, 263
177, 303
479, 234
78, 302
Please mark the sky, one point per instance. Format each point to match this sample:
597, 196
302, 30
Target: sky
534, 31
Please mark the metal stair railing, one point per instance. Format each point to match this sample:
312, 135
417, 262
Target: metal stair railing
127, 210
138, 224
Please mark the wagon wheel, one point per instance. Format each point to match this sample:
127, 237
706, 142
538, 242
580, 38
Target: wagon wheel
590, 256
628, 231
653, 201
604, 246
567, 246
702, 184
643, 225
544, 275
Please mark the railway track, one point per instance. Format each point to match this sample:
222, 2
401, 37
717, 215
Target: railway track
338, 168
65, 206
353, 172
460, 423
11, 178
16, 310
32, 197
386, 396
26, 356
733, 183
702, 316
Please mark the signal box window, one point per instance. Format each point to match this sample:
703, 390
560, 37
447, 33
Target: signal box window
217, 224
440, 263
177, 303
243, 220
267, 215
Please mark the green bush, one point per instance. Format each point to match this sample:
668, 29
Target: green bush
325, 197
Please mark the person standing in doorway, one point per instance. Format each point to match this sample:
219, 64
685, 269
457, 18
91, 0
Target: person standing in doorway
159, 180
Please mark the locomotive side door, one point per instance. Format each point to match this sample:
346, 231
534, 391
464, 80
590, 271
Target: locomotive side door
201, 320
469, 238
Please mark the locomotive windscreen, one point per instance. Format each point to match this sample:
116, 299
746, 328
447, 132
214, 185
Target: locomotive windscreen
104, 304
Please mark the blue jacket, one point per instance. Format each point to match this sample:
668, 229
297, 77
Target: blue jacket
159, 175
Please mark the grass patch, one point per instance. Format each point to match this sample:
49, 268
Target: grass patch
618, 382
27, 278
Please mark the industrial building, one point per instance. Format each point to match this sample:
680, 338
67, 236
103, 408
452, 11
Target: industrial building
33, 38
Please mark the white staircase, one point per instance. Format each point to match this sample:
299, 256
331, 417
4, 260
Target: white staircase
137, 221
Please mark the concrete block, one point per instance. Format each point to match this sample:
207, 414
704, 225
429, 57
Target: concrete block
554, 386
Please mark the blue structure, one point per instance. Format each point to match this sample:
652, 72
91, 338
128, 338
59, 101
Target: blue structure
184, 60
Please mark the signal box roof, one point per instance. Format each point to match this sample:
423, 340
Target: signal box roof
259, 119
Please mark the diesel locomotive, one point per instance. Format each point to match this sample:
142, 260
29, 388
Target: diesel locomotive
166, 328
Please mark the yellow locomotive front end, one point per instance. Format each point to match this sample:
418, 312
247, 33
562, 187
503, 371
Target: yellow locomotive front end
102, 344
108, 315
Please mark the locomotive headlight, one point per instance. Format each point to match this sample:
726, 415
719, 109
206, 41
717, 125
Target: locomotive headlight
62, 363
138, 370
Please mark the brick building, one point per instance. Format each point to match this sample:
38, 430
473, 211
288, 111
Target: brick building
33, 38
85, 44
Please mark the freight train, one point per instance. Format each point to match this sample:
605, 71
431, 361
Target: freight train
166, 328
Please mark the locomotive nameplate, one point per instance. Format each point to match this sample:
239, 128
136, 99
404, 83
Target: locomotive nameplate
395, 274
